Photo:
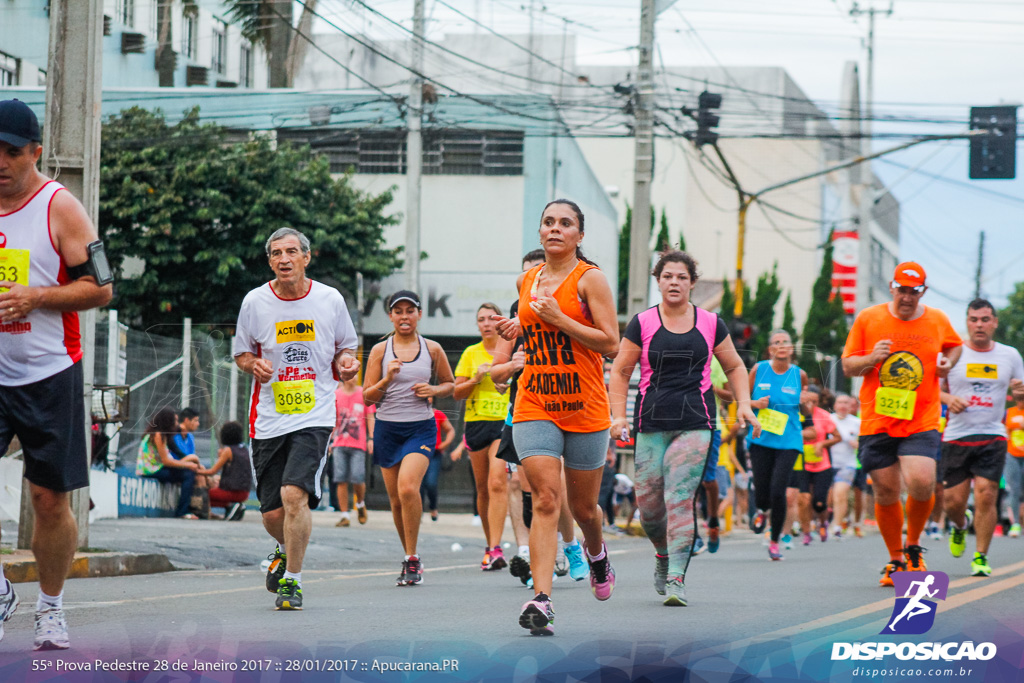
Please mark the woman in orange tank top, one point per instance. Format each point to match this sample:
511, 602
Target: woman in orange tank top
567, 319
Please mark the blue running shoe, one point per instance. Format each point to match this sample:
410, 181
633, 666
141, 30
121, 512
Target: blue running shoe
578, 569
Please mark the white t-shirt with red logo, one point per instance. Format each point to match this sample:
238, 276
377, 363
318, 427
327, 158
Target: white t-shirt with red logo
982, 378
300, 338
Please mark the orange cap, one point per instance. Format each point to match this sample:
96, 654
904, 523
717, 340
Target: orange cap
909, 274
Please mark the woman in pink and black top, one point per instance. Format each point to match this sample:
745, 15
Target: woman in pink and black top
815, 479
675, 412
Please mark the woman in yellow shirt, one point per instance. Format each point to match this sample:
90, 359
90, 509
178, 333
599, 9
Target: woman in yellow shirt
486, 408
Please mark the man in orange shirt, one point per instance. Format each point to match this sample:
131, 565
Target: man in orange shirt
901, 349
1014, 471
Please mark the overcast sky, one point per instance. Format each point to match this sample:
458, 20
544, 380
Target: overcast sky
933, 60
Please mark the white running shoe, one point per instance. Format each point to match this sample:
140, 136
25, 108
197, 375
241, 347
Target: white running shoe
8, 605
51, 630
561, 561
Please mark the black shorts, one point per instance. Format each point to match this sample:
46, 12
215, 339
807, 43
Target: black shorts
48, 417
878, 451
977, 455
482, 433
294, 459
860, 479
820, 482
507, 447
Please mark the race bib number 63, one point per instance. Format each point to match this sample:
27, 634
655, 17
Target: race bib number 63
294, 396
14, 265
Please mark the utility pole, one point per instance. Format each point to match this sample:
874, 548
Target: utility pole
981, 258
71, 150
867, 189
532, 42
414, 155
643, 170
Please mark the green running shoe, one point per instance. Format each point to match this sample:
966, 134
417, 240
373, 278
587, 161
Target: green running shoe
957, 542
289, 595
979, 567
275, 572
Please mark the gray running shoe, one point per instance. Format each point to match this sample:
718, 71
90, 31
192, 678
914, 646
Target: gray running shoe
676, 592
289, 595
8, 605
561, 561
51, 630
660, 573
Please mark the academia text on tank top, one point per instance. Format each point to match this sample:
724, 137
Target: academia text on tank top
400, 404
563, 380
44, 342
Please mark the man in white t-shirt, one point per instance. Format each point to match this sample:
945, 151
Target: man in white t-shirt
295, 337
844, 462
974, 443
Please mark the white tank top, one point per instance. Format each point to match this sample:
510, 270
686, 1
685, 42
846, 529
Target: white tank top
44, 342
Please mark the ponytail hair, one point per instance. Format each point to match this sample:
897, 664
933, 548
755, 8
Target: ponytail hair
579, 219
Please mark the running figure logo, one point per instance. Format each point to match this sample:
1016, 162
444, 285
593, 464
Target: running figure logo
914, 612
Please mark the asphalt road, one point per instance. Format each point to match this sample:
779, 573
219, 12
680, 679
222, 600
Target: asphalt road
747, 616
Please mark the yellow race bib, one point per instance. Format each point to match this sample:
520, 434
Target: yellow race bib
1017, 438
772, 421
294, 396
14, 266
493, 408
895, 403
810, 456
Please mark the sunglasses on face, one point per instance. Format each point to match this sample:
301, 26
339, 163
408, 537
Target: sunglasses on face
903, 289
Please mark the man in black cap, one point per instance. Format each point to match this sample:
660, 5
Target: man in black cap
51, 266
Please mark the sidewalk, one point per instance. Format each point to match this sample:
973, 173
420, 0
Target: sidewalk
20, 565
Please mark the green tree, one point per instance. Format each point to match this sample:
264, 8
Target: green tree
761, 311
727, 309
825, 329
1011, 320
624, 237
197, 210
788, 317
664, 243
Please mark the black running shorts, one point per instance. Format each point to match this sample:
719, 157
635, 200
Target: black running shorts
48, 417
977, 455
482, 433
294, 459
878, 451
507, 447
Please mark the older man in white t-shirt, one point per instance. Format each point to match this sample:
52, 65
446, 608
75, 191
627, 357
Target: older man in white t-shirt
844, 461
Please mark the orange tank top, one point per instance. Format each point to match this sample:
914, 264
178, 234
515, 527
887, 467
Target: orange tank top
563, 381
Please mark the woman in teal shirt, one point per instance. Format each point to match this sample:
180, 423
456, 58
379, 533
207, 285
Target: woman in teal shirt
775, 387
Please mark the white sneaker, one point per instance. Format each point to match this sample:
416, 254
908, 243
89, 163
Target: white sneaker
561, 561
8, 605
51, 630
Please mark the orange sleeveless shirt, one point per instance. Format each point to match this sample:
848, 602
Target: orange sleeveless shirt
563, 381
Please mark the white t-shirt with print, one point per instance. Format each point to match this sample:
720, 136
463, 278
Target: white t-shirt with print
982, 378
843, 454
300, 338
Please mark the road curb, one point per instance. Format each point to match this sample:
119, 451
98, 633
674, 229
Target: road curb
93, 565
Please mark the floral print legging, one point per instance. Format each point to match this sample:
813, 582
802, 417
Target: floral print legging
669, 468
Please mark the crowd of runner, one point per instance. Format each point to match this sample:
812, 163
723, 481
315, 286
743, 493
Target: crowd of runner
768, 446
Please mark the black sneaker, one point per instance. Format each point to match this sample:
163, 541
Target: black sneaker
289, 595
759, 523
237, 512
519, 567
403, 576
414, 572
275, 572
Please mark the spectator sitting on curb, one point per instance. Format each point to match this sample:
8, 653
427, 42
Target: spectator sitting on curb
231, 489
156, 462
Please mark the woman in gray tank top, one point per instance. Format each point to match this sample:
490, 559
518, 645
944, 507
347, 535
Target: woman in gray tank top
398, 380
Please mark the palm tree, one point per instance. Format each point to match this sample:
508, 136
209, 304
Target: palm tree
270, 23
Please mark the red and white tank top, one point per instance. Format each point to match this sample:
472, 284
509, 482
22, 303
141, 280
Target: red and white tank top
44, 342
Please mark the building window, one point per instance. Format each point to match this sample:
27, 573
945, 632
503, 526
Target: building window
8, 70
126, 12
220, 46
245, 66
189, 35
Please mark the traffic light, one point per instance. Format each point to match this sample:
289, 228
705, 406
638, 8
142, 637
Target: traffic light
706, 119
743, 334
994, 156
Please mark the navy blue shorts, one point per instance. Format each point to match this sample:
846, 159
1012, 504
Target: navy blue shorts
392, 441
878, 451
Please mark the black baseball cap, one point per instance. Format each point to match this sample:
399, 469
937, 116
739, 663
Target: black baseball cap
404, 295
18, 124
